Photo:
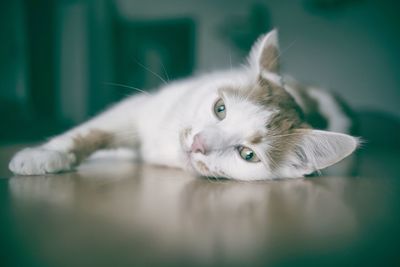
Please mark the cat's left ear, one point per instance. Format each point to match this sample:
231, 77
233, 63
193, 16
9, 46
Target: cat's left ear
264, 55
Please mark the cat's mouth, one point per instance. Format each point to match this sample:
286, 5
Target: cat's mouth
197, 164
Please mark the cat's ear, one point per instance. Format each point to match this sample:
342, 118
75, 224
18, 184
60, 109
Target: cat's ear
264, 55
316, 150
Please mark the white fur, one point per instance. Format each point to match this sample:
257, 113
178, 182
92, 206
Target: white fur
157, 124
337, 120
41, 161
273, 77
296, 95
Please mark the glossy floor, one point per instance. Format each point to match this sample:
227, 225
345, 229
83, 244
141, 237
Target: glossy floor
116, 213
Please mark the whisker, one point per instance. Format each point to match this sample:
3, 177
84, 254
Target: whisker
230, 59
281, 52
127, 86
283, 135
270, 158
165, 71
152, 72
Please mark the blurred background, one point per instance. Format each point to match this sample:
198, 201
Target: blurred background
64, 61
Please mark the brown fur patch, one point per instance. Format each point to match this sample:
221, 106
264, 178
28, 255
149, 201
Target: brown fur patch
256, 138
282, 143
281, 132
275, 97
85, 145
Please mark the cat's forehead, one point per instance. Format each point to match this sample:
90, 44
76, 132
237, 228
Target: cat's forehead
264, 107
247, 114
245, 120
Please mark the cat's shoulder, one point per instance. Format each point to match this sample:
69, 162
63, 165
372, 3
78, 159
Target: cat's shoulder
322, 108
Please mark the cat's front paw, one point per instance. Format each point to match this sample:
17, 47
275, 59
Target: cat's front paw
36, 161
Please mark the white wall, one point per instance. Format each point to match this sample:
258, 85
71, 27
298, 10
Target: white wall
353, 52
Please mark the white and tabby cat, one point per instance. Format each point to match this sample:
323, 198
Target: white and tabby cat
244, 124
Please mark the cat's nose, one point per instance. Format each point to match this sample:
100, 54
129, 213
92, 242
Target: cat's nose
198, 145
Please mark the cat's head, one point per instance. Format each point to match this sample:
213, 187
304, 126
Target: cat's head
249, 128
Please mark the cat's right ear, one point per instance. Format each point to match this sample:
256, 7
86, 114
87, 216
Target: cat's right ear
264, 55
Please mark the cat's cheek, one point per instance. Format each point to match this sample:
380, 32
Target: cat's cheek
185, 137
245, 171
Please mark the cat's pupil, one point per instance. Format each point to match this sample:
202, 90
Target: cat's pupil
221, 108
249, 155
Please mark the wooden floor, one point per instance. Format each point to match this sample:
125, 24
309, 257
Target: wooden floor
113, 212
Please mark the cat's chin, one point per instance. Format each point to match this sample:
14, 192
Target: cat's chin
197, 165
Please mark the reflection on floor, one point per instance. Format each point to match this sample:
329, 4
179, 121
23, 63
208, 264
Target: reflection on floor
112, 212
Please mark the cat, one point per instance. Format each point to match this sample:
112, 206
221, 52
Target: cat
248, 123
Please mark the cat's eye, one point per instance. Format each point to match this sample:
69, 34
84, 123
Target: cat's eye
248, 154
220, 109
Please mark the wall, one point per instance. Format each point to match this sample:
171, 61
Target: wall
351, 49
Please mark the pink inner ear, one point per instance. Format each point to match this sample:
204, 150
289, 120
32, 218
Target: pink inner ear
264, 55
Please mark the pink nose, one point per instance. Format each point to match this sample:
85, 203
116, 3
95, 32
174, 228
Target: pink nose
198, 145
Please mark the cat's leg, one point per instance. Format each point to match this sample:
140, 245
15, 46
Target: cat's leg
111, 129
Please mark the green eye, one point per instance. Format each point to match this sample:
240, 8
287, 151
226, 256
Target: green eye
248, 154
219, 109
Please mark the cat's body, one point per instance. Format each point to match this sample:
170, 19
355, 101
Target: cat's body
244, 123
